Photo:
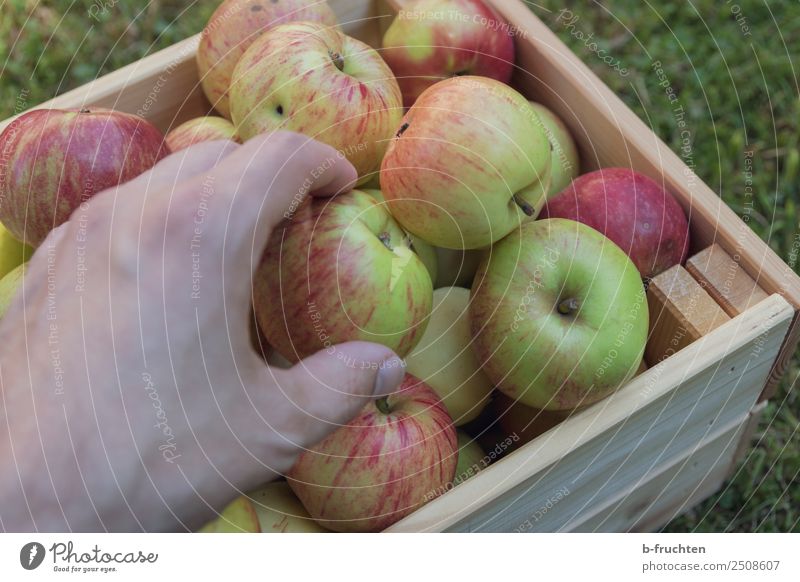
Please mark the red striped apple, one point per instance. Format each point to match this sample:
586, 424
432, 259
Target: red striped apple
339, 270
470, 163
432, 40
312, 79
398, 453
633, 211
61, 158
199, 130
234, 26
559, 315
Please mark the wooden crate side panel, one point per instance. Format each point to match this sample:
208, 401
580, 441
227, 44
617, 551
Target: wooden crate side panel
597, 471
730, 346
667, 489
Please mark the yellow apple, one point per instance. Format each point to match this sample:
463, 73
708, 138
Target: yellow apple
280, 511
12, 252
444, 358
9, 286
239, 517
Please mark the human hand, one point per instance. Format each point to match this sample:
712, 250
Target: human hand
132, 395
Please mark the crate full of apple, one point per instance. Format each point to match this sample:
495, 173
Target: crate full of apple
511, 283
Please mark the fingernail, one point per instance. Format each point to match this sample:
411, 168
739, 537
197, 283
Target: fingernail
390, 375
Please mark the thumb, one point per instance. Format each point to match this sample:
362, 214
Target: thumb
330, 388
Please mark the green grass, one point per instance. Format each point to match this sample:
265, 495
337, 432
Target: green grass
740, 94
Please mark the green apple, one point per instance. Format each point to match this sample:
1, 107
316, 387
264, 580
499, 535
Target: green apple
12, 252
559, 315
469, 164
566, 160
471, 458
445, 361
456, 268
9, 285
341, 269
238, 517
425, 252
280, 511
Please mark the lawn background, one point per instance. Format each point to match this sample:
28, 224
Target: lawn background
738, 85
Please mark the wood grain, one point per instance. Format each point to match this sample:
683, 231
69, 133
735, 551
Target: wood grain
722, 277
681, 312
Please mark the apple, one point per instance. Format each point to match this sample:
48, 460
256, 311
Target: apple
339, 270
280, 511
238, 517
61, 158
398, 453
635, 212
12, 252
525, 422
445, 361
199, 130
425, 252
312, 79
471, 458
559, 315
234, 26
566, 160
470, 163
435, 39
9, 285
456, 268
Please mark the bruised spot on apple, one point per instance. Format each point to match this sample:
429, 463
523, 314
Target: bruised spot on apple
437, 39
472, 165
397, 454
234, 26
425, 251
312, 79
635, 212
341, 270
559, 315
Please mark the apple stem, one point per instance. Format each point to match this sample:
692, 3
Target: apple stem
386, 239
526, 208
382, 404
337, 59
568, 306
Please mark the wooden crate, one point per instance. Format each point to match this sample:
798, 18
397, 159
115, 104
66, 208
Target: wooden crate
669, 438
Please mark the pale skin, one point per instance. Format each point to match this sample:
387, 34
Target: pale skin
132, 396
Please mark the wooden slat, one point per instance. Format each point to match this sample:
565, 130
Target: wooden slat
669, 489
681, 312
722, 277
731, 364
746, 443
